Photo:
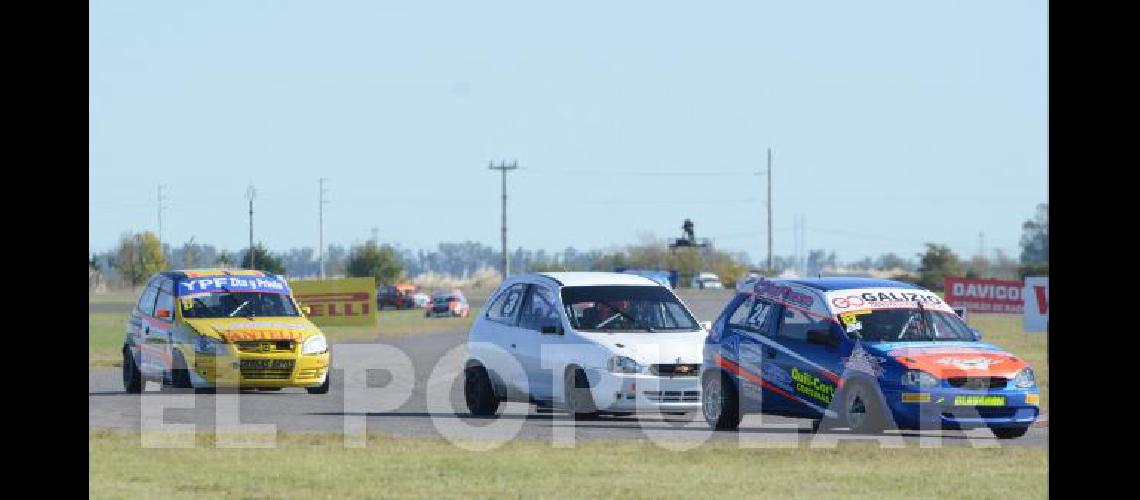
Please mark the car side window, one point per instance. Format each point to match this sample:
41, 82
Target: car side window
753, 315
146, 300
505, 308
796, 324
166, 298
539, 309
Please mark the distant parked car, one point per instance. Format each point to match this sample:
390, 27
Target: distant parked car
421, 300
399, 296
451, 303
704, 281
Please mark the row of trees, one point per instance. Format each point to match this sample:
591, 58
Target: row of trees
140, 255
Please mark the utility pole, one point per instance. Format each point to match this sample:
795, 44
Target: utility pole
161, 207
769, 208
503, 168
321, 215
251, 193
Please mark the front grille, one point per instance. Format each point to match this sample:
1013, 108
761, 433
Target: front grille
266, 346
675, 370
673, 396
978, 383
266, 373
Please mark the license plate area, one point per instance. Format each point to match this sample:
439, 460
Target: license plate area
267, 364
979, 400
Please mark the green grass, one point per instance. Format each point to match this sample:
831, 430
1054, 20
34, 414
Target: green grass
1005, 330
316, 465
105, 331
104, 338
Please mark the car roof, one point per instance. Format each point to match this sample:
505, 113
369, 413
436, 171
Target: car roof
590, 278
214, 271
848, 283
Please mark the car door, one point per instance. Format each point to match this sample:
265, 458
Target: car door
754, 324
810, 365
539, 310
503, 332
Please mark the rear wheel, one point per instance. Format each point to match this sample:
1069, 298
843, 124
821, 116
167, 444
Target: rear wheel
132, 377
479, 393
719, 403
1009, 432
579, 399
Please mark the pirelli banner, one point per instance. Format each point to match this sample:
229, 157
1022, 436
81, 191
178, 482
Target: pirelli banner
339, 302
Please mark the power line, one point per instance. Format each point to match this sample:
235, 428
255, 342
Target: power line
503, 168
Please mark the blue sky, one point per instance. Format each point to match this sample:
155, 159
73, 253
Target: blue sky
891, 123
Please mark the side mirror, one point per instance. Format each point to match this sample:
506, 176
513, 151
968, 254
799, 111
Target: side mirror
162, 313
823, 337
961, 312
306, 310
977, 334
551, 330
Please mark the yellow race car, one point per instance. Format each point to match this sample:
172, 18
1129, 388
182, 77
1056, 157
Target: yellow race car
212, 328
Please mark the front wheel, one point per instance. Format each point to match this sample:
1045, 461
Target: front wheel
323, 388
1009, 432
579, 399
132, 377
863, 409
719, 402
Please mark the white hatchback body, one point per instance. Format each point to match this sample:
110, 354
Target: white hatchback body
529, 345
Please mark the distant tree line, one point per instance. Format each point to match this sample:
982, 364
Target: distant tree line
139, 255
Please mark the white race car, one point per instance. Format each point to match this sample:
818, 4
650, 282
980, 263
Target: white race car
589, 343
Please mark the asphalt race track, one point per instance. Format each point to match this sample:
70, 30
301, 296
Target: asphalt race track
401, 406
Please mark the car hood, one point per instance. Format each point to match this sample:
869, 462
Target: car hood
652, 348
952, 359
268, 328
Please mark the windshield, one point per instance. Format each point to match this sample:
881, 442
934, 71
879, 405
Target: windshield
237, 305
904, 325
444, 300
625, 308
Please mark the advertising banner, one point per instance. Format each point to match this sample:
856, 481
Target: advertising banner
980, 295
338, 302
1036, 293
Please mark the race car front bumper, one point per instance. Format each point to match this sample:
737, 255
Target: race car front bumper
646, 393
260, 371
963, 409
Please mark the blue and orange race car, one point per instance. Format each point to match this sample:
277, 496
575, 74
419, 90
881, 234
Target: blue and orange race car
860, 353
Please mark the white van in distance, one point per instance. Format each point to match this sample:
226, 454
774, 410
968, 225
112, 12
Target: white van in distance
586, 342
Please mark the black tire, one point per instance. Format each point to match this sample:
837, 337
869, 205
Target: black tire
579, 400
862, 409
132, 377
268, 389
180, 373
1009, 432
479, 393
205, 390
323, 388
720, 404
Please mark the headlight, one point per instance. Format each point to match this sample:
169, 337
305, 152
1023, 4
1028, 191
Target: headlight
209, 345
1025, 378
315, 345
622, 364
919, 378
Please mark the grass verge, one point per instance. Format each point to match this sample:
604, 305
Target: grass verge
317, 465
